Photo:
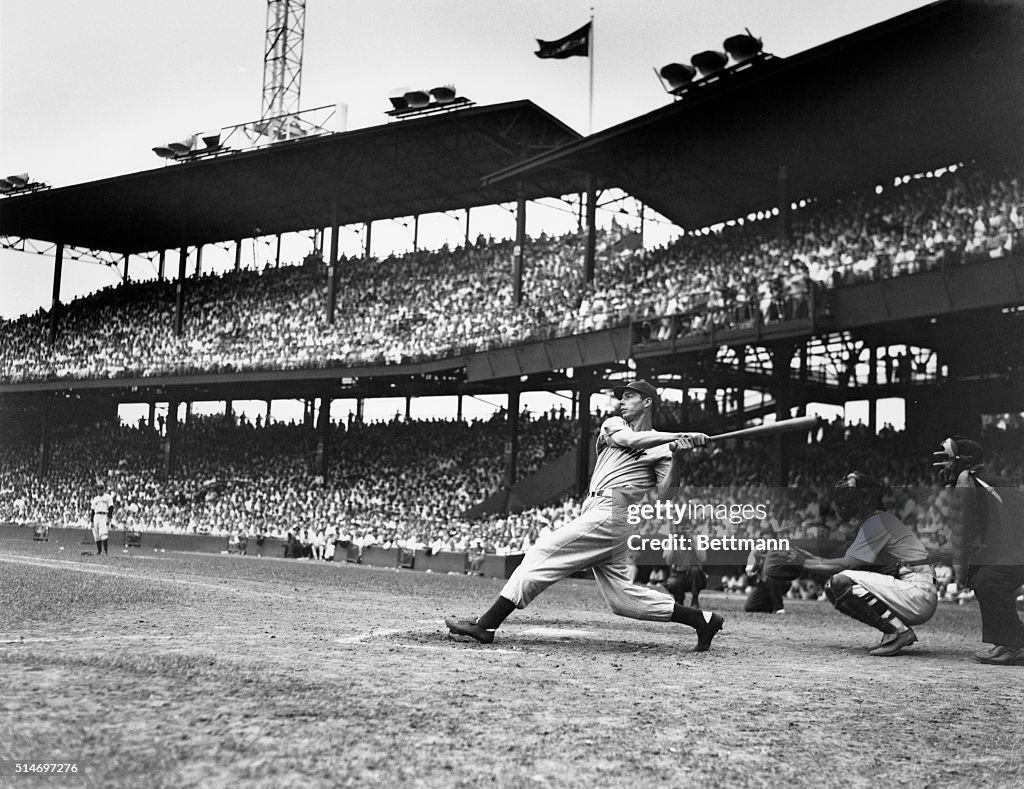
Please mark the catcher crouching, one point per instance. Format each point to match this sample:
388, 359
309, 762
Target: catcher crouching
885, 579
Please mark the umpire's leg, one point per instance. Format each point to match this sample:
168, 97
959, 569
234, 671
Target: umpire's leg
995, 588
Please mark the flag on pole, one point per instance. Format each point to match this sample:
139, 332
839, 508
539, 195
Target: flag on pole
576, 43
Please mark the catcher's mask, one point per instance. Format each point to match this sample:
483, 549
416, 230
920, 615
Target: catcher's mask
855, 490
957, 454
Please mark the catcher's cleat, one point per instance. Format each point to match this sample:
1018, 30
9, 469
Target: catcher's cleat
1000, 655
894, 643
707, 631
470, 628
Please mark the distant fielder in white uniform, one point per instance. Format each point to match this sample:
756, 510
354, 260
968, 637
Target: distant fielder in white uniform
101, 506
633, 460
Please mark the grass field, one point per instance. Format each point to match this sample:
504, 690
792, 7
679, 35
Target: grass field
170, 670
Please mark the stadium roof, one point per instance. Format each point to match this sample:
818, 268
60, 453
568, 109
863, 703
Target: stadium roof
927, 88
404, 168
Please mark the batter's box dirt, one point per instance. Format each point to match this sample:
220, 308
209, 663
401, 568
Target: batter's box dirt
584, 643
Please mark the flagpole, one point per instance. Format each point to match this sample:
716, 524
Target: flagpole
590, 129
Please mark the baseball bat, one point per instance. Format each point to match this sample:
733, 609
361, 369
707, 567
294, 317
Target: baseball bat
782, 426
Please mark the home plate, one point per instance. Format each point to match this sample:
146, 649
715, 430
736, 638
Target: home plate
557, 632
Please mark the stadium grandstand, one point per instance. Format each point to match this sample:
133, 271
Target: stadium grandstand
848, 236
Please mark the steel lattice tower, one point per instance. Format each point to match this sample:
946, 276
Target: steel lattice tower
282, 59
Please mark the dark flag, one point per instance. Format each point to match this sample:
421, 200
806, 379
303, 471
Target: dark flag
576, 43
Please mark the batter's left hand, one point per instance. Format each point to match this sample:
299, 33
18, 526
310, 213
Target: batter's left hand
687, 441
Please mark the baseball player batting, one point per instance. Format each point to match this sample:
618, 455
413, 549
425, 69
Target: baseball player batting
632, 460
885, 579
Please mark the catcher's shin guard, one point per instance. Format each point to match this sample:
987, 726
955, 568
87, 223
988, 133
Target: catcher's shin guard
867, 608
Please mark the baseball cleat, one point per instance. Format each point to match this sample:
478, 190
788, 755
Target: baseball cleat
707, 631
1000, 655
469, 628
893, 644
985, 654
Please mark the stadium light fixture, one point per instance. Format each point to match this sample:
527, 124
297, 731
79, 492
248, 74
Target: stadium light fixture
443, 94
417, 99
397, 98
408, 102
183, 147
211, 139
20, 183
709, 62
676, 76
743, 47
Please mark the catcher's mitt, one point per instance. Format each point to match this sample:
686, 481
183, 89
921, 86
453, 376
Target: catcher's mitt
784, 565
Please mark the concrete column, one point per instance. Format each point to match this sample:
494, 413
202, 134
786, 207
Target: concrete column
512, 442
171, 439
179, 300
591, 247
519, 252
782, 356
873, 389
583, 440
332, 275
58, 267
323, 432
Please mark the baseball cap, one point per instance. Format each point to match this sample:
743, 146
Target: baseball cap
639, 386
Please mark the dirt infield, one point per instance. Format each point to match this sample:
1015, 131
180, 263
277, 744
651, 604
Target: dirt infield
187, 670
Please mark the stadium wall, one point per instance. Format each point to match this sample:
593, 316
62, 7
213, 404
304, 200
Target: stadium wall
80, 540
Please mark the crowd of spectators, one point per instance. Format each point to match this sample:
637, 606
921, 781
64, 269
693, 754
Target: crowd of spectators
409, 484
408, 480
426, 305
